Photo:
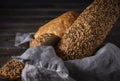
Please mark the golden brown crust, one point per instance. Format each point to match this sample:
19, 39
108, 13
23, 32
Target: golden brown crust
45, 39
12, 70
89, 30
58, 25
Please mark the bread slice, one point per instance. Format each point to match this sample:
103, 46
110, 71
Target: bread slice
12, 70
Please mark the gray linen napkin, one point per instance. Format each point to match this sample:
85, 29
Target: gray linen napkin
22, 38
42, 64
103, 66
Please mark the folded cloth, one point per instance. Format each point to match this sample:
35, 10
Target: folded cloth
103, 66
22, 38
42, 64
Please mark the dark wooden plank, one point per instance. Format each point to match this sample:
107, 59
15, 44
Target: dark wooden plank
4, 59
40, 9
31, 12
11, 51
46, 4
25, 20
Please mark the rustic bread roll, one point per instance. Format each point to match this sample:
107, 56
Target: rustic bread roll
12, 70
50, 33
58, 25
45, 39
89, 30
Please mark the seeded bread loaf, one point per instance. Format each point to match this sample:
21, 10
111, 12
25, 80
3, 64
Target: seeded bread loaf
89, 30
12, 70
58, 25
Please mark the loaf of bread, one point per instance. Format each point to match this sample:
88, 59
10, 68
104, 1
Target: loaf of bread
45, 39
12, 70
58, 25
89, 30
50, 33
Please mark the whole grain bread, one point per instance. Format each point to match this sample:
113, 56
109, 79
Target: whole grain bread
12, 70
89, 30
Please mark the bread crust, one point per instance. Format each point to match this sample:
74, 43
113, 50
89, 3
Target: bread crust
89, 30
58, 25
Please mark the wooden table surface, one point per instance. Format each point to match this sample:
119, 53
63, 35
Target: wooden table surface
28, 15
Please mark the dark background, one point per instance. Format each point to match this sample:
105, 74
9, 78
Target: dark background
29, 15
